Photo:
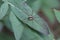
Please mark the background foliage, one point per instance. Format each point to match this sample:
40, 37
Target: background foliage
19, 19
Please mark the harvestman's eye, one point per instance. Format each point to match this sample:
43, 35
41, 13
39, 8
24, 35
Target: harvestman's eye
30, 18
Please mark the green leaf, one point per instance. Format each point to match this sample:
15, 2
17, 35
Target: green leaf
19, 15
16, 1
43, 24
33, 24
29, 34
3, 10
17, 26
57, 14
6, 20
